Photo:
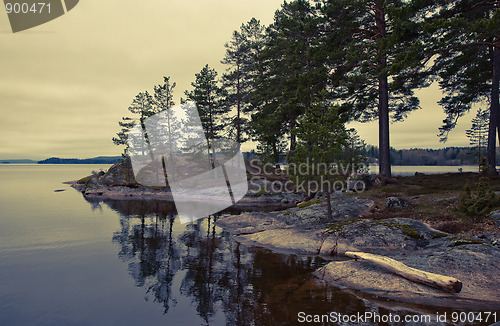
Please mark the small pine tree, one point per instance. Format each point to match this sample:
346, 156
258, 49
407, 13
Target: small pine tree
478, 200
320, 137
478, 134
126, 124
354, 152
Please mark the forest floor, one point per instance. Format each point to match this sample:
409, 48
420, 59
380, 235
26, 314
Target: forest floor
435, 200
432, 234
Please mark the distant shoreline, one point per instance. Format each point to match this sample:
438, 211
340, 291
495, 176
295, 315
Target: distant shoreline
57, 160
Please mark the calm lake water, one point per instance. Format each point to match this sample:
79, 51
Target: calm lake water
67, 261
407, 170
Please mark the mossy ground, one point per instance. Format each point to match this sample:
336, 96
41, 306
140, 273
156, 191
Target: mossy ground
444, 213
404, 228
308, 203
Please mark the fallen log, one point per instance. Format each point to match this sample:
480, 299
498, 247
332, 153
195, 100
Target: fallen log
445, 283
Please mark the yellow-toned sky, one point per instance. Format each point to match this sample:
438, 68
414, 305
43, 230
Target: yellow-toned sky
65, 84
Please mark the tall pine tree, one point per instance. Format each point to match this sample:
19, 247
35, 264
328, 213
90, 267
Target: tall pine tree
168, 132
465, 35
294, 72
371, 73
209, 97
242, 57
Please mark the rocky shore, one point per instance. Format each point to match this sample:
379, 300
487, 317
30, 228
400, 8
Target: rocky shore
305, 230
118, 183
298, 224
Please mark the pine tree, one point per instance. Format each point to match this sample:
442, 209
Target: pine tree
269, 134
478, 132
142, 106
210, 102
126, 124
239, 80
354, 151
465, 35
293, 67
320, 137
163, 95
169, 130
372, 70
163, 101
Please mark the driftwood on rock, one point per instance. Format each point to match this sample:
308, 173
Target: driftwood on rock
445, 283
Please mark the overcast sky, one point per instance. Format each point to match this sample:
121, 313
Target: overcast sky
64, 85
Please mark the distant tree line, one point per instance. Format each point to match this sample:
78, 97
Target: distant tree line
418, 156
344, 60
95, 160
351, 154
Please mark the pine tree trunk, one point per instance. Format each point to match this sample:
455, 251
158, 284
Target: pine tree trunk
276, 153
293, 140
383, 99
238, 92
211, 145
329, 205
384, 147
491, 145
494, 108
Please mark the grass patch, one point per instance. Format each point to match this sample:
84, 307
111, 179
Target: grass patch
308, 203
466, 242
261, 192
411, 232
405, 229
439, 235
337, 227
443, 215
83, 180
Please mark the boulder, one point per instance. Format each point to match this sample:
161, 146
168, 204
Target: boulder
382, 236
495, 215
397, 202
119, 174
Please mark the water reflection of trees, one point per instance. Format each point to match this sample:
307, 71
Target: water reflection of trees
219, 275
147, 243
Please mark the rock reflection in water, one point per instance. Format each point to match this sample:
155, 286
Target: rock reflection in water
200, 261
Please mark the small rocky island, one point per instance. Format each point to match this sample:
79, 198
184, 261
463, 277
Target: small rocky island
414, 222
